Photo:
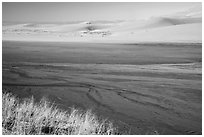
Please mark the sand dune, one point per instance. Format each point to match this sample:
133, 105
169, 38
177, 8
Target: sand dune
165, 21
175, 33
179, 27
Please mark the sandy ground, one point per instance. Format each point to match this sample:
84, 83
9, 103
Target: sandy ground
142, 87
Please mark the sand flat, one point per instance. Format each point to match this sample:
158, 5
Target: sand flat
124, 82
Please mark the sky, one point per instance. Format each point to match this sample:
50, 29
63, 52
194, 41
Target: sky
88, 11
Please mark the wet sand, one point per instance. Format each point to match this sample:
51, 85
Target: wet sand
142, 87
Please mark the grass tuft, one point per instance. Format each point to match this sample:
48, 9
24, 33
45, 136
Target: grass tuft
30, 118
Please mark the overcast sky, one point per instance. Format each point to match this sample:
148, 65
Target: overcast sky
64, 12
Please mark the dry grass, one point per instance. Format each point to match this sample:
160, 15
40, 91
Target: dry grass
29, 118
